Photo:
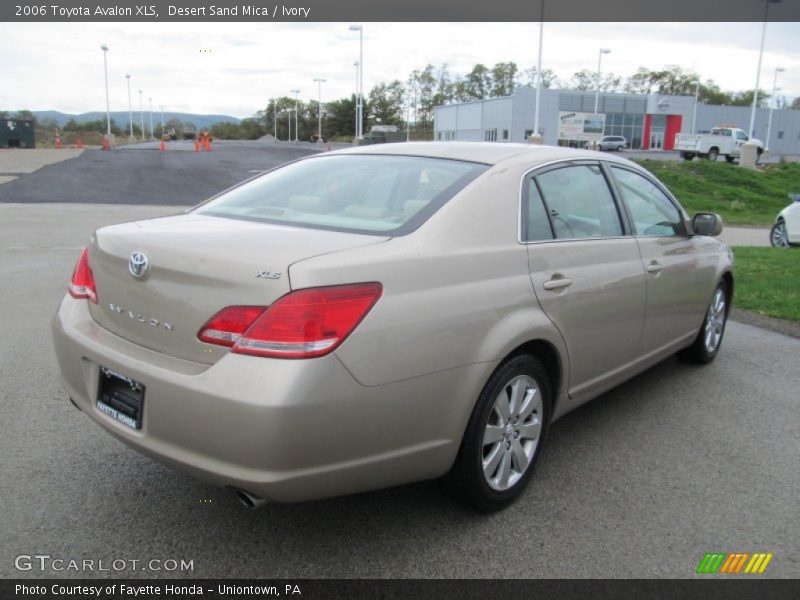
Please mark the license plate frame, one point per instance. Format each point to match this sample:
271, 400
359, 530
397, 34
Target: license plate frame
120, 398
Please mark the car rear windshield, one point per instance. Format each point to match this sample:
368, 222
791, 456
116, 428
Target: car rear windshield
372, 194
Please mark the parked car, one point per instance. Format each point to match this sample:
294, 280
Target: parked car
386, 314
786, 230
613, 142
725, 141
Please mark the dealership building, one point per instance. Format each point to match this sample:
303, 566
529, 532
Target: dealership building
648, 121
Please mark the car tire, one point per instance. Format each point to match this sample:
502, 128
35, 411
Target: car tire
706, 345
687, 155
504, 436
778, 236
713, 154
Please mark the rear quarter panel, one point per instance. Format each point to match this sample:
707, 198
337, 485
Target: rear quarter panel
456, 291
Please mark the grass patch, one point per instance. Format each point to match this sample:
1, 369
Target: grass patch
741, 196
768, 281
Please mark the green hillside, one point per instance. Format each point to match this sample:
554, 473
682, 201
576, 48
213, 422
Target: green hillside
741, 196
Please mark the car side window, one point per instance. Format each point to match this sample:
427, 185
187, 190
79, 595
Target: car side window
651, 210
537, 225
579, 202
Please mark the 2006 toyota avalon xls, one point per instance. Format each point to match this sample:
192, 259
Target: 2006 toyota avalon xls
387, 314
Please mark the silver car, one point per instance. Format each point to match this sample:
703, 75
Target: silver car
613, 142
387, 314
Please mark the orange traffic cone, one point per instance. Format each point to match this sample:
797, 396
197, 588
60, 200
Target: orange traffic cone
197, 146
207, 144
79, 143
106, 142
162, 147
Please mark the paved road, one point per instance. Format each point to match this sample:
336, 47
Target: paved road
639, 483
140, 174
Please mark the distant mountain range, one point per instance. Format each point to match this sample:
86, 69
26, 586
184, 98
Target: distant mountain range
121, 117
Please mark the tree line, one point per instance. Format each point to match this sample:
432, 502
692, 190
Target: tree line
387, 103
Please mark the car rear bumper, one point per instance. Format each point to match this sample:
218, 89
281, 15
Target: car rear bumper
283, 430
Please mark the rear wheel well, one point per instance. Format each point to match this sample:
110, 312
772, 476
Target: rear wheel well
550, 359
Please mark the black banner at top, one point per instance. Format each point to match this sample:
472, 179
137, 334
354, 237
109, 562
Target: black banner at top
399, 10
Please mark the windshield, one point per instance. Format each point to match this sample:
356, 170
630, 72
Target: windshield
376, 194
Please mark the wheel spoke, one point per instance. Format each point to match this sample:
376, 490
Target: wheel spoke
530, 403
517, 393
502, 406
493, 434
519, 456
504, 472
530, 431
490, 463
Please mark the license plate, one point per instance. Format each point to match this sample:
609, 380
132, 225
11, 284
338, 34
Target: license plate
120, 397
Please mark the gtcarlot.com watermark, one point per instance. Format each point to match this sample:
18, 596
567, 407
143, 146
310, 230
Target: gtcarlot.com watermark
48, 563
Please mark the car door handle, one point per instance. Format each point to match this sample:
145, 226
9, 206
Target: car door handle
557, 283
654, 267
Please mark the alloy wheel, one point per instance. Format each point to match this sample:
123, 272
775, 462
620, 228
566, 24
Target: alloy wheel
715, 321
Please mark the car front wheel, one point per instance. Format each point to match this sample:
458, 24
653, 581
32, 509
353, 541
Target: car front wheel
779, 237
504, 437
706, 345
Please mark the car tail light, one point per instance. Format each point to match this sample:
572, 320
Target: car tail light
303, 324
228, 325
82, 284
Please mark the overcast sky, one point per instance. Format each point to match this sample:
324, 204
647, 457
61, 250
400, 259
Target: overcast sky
234, 68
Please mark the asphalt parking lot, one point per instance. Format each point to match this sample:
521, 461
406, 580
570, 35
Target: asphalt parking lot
641, 482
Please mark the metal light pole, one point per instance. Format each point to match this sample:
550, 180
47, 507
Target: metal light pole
295, 92
104, 48
355, 64
599, 62
694, 110
320, 81
758, 71
289, 120
408, 111
275, 119
360, 104
772, 104
539, 74
163, 126
130, 106
151, 118
141, 114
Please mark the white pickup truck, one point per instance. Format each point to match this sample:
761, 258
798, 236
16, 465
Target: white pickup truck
726, 141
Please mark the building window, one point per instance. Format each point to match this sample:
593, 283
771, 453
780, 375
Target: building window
440, 136
505, 134
780, 135
490, 135
528, 133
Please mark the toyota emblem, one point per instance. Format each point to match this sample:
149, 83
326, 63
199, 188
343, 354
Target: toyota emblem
137, 264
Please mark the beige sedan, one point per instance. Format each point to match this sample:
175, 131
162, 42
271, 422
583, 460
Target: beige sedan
387, 314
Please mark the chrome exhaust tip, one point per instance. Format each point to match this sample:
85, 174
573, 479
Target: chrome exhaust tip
249, 500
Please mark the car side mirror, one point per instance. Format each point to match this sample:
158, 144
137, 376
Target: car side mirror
707, 224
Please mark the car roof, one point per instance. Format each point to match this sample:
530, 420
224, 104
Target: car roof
490, 153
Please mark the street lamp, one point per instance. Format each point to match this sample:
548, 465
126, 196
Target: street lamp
130, 106
295, 92
772, 104
320, 81
539, 75
163, 126
141, 114
355, 64
696, 85
360, 77
104, 48
599, 62
760, 56
151, 118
